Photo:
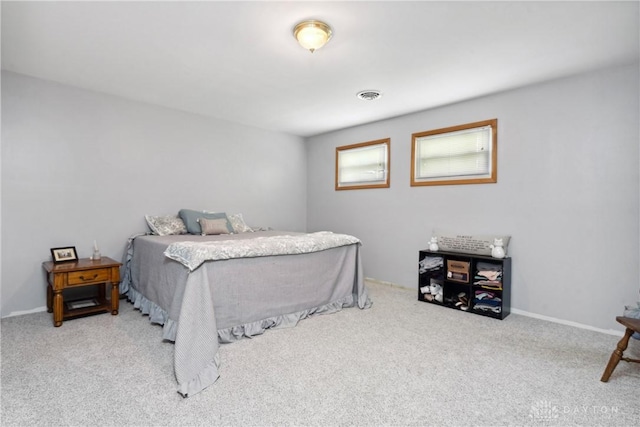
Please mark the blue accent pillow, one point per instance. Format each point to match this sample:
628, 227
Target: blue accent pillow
190, 219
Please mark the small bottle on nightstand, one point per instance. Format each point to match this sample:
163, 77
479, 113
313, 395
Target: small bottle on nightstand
96, 252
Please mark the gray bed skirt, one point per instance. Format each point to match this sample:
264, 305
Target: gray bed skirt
234, 333
225, 301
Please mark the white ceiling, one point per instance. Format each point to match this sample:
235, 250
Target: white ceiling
238, 61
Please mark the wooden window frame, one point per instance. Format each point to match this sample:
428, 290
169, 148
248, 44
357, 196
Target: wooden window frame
448, 180
384, 183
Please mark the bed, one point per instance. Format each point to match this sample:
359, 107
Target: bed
207, 290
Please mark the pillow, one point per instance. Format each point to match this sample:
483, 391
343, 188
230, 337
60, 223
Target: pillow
238, 224
213, 226
166, 225
190, 218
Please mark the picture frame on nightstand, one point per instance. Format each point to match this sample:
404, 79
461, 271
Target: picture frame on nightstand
64, 254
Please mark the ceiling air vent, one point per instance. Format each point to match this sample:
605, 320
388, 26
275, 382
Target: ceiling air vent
369, 95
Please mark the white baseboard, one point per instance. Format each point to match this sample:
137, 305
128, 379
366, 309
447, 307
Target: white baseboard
20, 313
393, 285
522, 313
566, 322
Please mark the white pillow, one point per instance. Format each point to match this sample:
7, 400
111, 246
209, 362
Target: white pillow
165, 225
238, 224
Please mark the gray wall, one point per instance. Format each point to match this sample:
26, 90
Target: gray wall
567, 193
79, 166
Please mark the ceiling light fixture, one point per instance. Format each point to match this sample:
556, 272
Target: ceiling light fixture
369, 95
312, 34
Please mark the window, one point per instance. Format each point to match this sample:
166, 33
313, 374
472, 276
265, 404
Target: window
364, 165
465, 154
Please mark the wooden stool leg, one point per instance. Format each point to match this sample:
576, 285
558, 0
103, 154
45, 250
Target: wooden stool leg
616, 355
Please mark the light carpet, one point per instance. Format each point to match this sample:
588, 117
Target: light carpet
402, 362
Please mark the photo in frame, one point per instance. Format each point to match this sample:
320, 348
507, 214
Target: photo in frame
65, 254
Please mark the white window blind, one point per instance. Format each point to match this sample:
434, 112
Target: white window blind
362, 165
462, 154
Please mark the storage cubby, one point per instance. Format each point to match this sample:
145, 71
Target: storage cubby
473, 283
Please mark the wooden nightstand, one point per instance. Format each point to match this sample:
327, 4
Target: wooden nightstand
84, 272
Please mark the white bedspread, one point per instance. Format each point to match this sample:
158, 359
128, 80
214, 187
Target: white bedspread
193, 254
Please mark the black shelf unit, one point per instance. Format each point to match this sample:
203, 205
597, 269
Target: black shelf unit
473, 283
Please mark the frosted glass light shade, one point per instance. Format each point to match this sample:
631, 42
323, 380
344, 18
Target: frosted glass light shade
312, 34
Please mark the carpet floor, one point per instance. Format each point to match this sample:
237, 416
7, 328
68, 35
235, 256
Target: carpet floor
400, 363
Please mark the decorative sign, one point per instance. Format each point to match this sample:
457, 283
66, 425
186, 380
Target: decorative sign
464, 243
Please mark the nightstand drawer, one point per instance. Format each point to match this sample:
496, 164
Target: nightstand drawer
89, 276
